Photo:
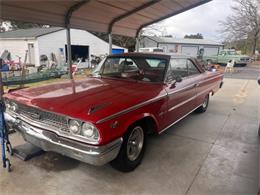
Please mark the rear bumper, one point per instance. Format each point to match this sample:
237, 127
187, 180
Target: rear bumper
49, 141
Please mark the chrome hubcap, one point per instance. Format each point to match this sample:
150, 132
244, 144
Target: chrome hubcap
204, 105
135, 143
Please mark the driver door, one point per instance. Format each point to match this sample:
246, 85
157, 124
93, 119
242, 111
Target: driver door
181, 95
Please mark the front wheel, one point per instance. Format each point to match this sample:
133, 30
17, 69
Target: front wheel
132, 150
203, 106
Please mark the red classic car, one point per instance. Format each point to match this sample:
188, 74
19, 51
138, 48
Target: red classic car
106, 117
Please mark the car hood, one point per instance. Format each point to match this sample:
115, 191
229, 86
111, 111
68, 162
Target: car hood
90, 99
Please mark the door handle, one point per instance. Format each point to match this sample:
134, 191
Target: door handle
196, 85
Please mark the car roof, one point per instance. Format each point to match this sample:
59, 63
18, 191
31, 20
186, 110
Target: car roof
151, 55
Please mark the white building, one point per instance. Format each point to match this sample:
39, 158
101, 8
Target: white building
189, 47
44, 41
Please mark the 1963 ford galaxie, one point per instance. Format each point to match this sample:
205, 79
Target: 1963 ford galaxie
106, 117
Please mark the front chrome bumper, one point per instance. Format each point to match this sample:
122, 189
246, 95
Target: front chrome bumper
49, 141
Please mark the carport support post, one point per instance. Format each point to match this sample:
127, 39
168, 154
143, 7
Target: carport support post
69, 59
110, 43
137, 42
1, 81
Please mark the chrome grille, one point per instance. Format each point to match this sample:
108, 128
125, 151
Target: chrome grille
244, 59
43, 117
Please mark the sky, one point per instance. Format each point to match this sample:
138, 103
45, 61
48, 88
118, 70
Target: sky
203, 19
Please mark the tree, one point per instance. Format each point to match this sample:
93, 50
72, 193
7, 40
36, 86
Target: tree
156, 29
243, 23
194, 36
3, 26
14, 25
24, 25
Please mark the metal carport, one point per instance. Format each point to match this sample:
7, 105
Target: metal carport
110, 16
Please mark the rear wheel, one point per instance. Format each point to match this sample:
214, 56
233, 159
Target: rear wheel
132, 150
203, 106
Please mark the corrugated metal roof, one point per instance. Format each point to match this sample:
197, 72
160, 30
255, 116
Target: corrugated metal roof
184, 41
28, 33
116, 16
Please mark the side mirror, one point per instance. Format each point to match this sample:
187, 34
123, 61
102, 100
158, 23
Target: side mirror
173, 84
178, 78
259, 81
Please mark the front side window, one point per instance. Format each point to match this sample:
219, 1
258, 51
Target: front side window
192, 69
181, 68
138, 68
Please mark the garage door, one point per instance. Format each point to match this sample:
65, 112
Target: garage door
209, 51
189, 50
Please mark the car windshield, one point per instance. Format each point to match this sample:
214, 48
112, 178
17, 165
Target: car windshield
138, 68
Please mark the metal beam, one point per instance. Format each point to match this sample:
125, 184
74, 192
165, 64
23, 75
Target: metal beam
137, 43
110, 43
125, 15
72, 9
68, 15
1, 81
172, 14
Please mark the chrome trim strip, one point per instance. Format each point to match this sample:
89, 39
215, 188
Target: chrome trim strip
189, 86
180, 104
209, 79
186, 101
206, 90
131, 109
178, 120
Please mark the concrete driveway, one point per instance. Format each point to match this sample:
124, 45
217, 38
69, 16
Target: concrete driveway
212, 153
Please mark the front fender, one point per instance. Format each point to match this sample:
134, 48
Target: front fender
138, 117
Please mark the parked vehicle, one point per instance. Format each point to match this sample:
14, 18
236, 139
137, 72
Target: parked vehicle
227, 55
151, 49
107, 117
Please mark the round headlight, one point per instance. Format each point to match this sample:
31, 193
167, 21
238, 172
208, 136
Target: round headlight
7, 105
74, 126
89, 131
13, 107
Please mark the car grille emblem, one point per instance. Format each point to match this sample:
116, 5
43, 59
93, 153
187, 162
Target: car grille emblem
35, 116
